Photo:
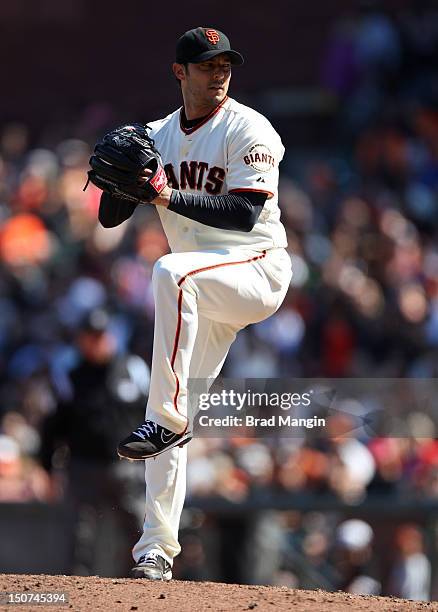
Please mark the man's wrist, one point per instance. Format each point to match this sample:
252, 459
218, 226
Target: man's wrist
164, 198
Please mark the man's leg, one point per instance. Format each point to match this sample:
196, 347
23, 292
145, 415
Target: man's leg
232, 288
166, 473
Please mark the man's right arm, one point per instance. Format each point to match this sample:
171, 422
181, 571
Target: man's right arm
233, 211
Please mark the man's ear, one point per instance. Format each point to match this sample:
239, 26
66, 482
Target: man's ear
179, 70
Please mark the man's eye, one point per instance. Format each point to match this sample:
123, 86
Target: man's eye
212, 66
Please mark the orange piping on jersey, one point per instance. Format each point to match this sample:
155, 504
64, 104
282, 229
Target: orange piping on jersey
207, 118
172, 361
269, 193
179, 320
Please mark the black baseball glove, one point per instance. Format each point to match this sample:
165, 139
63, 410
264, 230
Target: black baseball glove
119, 163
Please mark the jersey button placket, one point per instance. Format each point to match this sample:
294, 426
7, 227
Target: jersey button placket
185, 148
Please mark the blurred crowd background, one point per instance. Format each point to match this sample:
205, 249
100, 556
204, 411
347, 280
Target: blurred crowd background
359, 199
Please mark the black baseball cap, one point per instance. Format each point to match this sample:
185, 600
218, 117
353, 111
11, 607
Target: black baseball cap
201, 44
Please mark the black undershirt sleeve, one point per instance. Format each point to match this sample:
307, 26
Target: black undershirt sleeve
234, 211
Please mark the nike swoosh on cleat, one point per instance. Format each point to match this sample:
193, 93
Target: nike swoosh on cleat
167, 437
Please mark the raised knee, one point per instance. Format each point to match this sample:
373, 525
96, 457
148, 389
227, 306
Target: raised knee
164, 269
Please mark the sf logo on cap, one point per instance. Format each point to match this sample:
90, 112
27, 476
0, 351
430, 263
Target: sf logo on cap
213, 36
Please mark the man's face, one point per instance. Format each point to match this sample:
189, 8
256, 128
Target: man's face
205, 84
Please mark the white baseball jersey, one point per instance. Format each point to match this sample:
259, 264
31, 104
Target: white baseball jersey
234, 149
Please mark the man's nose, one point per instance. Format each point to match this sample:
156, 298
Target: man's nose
218, 71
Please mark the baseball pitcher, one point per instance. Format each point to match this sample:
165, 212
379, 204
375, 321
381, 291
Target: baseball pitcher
211, 170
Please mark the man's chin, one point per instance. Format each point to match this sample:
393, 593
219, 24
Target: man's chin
218, 96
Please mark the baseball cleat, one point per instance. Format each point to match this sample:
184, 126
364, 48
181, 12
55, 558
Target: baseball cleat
149, 440
152, 567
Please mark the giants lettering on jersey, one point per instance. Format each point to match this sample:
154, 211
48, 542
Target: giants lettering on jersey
196, 175
260, 158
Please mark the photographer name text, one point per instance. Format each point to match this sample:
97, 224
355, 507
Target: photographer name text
276, 420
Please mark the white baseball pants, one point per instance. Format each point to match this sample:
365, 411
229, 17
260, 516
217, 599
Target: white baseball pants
202, 299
